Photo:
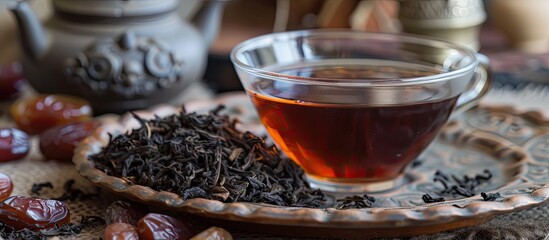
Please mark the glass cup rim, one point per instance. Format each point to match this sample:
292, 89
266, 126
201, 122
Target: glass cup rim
397, 37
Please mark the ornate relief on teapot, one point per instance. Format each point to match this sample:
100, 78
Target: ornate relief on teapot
129, 66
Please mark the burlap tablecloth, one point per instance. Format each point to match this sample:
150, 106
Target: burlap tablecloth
527, 224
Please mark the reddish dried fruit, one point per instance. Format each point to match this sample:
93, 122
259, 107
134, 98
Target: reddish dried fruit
125, 212
213, 233
11, 81
58, 143
158, 226
14, 144
6, 186
36, 114
120, 231
20, 212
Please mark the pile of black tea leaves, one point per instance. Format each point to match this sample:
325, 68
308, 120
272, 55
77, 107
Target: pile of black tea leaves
205, 155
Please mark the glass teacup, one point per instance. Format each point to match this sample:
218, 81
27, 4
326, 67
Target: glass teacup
353, 109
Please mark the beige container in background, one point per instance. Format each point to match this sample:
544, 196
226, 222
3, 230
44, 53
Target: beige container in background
456, 21
523, 22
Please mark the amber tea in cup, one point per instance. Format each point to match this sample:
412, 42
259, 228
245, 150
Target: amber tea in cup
353, 109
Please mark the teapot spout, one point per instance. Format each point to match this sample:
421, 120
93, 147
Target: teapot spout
208, 19
31, 32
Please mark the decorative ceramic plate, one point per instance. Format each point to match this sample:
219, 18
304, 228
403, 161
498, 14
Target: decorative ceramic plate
513, 146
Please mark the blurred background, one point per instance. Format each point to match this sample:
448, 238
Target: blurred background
244, 19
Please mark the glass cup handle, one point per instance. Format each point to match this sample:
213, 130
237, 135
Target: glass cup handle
479, 88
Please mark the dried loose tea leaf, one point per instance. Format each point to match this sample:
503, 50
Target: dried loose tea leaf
69, 229
71, 193
490, 196
428, 199
38, 187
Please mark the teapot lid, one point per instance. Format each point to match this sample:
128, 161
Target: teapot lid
114, 8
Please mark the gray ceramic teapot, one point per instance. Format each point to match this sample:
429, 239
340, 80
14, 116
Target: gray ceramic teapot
118, 54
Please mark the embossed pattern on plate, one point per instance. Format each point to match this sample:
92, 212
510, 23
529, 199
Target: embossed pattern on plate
512, 145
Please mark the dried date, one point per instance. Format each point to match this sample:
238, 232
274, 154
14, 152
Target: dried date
11, 81
6, 186
14, 144
125, 212
213, 233
38, 113
58, 143
120, 231
159, 226
20, 212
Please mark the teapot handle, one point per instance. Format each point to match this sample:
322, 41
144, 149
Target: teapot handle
479, 87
